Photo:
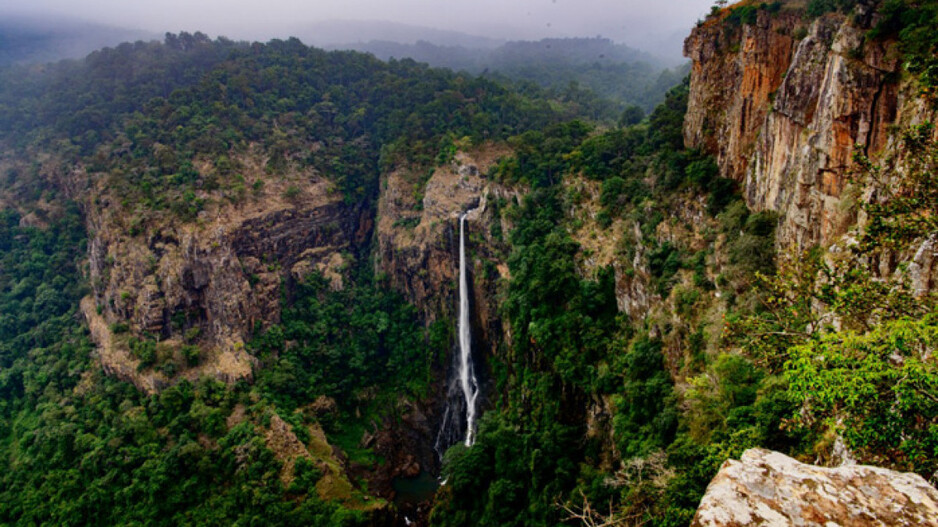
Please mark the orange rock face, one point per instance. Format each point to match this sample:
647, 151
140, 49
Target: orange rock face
735, 72
784, 117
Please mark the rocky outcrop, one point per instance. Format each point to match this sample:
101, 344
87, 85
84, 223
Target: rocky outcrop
417, 235
601, 248
734, 73
784, 117
769, 488
212, 282
333, 483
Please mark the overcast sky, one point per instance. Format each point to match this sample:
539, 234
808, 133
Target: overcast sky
640, 23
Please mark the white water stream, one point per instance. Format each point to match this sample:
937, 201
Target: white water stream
461, 406
467, 379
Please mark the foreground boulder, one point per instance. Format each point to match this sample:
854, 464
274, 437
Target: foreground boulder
771, 489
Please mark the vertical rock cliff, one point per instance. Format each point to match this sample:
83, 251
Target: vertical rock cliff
417, 236
784, 104
209, 284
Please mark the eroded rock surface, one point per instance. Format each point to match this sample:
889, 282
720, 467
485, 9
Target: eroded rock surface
211, 283
771, 489
784, 116
418, 235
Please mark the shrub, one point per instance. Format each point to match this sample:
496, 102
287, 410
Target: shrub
722, 193
292, 192
192, 355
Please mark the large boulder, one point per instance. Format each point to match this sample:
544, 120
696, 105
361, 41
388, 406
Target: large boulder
771, 489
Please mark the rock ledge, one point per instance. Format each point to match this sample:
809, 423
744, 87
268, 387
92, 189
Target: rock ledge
771, 489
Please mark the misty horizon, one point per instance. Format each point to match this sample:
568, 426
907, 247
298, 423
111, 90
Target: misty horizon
650, 28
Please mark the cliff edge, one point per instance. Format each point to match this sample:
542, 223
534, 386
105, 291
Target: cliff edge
769, 488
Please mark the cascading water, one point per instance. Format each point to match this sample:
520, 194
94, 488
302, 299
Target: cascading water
464, 386
467, 378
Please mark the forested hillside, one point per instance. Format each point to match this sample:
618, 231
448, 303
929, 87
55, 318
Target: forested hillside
606, 78
164, 133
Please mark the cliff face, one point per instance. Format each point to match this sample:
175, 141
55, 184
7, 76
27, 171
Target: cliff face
418, 237
209, 283
733, 75
784, 117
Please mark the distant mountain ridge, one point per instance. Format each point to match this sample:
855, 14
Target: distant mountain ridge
28, 39
603, 75
347, 34
616, 72
576, 50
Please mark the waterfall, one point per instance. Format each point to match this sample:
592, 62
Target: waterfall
467, 378
463, 391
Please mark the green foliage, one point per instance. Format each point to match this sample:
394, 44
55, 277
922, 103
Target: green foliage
144, 128
540, 158
877, 389
39, 293
856, 348
617, 193
702, 172
745, 14
632, 115
664, 262
191, 354
723, 191
305, 476
82, 448
906, 211
666, 122
556, 317
646, 416
608, 154
144, 350
748, 13
341, 342
751, 245
913, 24
818, 8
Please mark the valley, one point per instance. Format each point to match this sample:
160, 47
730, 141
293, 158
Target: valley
264, 283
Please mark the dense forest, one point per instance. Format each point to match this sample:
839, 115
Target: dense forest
593, 416
81, 448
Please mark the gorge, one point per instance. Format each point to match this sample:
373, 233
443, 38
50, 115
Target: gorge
265, 283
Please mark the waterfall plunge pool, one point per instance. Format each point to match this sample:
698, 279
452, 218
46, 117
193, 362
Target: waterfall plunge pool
415, 490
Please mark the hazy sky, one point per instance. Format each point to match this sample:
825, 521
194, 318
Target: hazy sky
640, 23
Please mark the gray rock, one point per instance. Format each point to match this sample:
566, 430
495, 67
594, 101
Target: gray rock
771, 489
